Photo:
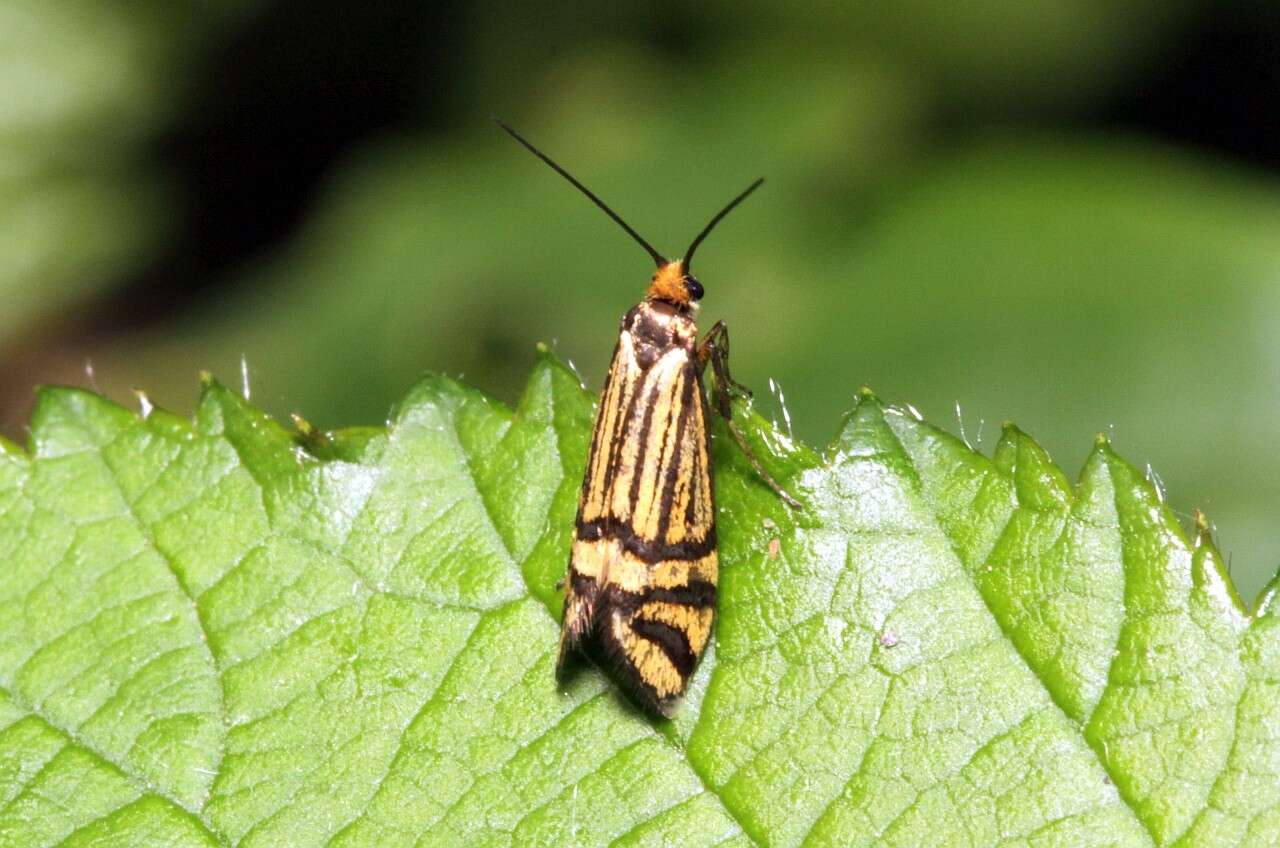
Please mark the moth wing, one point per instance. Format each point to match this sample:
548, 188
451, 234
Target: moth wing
588, 561
642, 576
658, 603
581, 594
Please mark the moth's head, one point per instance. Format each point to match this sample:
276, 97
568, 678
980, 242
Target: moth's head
673, 283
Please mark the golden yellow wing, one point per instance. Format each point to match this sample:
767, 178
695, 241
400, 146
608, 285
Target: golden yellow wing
643, 571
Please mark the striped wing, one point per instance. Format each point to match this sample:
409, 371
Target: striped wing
643, 572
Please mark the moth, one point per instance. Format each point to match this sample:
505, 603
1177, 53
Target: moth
642, 576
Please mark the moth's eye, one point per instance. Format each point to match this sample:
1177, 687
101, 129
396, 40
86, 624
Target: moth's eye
694, 288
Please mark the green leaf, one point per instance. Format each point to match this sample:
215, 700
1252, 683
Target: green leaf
219, 632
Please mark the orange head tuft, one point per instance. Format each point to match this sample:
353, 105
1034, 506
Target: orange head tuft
672, 283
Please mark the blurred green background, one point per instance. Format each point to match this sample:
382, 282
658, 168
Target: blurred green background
1066, 214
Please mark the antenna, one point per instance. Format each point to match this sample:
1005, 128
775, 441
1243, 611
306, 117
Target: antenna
688, 256
658, 258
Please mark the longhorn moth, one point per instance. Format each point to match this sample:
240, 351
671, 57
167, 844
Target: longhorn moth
641, 584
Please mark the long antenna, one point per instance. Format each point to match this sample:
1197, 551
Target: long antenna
688, 254
658, 258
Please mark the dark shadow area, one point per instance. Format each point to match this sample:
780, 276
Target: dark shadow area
1218, 90
276, 106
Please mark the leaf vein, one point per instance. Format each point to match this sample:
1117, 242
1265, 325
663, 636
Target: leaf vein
905, 456
140, 783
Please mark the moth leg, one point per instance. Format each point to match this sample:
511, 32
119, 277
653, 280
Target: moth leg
714, 349
764, 475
